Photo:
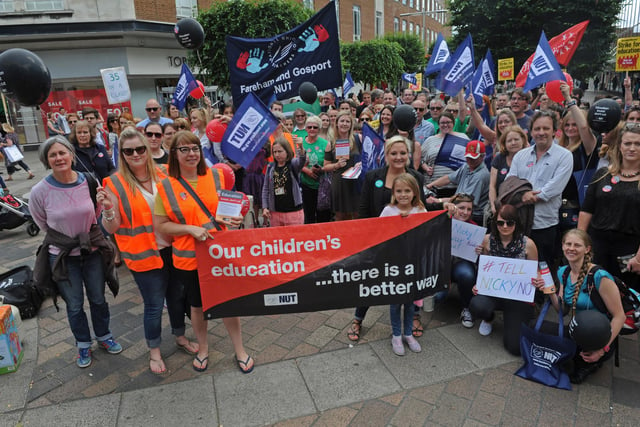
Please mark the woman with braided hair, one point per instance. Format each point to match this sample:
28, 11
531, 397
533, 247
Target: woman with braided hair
574, 296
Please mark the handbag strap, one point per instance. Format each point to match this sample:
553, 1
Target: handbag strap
543, 314
206, 211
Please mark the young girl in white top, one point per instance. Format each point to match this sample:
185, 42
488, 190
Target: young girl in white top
405, 200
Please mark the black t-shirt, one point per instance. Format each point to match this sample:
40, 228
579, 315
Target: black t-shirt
500, 163
162, 160
283, 188
614, 204
581, 162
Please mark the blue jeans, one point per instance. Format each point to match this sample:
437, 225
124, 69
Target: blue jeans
463, 273
152, 285
177, 306
396, 325
85, 272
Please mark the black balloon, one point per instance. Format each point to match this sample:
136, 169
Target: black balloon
590, 329
308, 92
23, 77
189, 33
404, 117
604, 115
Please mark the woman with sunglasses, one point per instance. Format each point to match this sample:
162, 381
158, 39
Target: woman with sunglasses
506, 240
610, 209
154, 134
128, 202
184, 220
430, 150
315, 148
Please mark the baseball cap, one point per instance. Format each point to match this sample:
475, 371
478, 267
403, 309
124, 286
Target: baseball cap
474, 149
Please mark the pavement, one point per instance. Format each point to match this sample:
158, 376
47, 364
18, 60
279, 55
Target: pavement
307, 372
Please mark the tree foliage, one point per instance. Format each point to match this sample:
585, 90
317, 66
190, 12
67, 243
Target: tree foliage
413, 51
373, 61
241, 18
511, 28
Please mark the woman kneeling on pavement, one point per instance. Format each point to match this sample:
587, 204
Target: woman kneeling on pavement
506, 240
574, 296
178, 213
128, 202
75, 254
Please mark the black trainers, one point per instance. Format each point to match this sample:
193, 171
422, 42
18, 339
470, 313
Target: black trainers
582, 371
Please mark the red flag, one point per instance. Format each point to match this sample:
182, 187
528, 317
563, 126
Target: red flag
563, 46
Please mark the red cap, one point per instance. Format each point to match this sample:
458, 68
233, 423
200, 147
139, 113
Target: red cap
474, 149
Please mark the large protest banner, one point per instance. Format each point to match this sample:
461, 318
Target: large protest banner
278, 65
326, 266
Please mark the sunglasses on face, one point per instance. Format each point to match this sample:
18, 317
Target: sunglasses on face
435, 108
186, 150
453, 111
300, 115
153, 134
73, 122
129, 151
182, 127
419, 108
508, 223
312, 127
151, 109
365, 119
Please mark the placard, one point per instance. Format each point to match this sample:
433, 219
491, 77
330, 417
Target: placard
116, 85
508, 278
627, 54
342, 148
229, 203
505, 69
465, 238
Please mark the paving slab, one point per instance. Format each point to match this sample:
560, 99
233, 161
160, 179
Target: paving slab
269, 394
469, 341
438, 360
193, 401
342, 377
99, 412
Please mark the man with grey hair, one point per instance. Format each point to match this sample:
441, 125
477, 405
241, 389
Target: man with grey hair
435, 108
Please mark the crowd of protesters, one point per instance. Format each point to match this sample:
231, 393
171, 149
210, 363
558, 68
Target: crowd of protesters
559, 174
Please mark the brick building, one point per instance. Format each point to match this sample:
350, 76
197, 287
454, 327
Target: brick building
78, 38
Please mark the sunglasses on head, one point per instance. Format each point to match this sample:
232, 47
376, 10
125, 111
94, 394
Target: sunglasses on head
152, 109
508, 223
186, 150
152, 134
129, 151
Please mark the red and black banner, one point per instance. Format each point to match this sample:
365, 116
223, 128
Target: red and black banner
315, 267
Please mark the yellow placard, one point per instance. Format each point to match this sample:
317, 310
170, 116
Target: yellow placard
505, 69
628, 54
417, 87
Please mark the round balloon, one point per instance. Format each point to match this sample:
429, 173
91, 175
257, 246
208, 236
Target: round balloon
227, 173
246, 205
308, 92
189, 33
604, 115
553, 88
198, 92
216, 130
404, 117
590, 329
24, 78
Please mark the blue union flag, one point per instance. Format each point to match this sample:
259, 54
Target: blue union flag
544, 67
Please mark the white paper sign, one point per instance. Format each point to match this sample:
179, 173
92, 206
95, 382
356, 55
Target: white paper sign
342, 148
465, 238
116, 85
508, 278
229, 203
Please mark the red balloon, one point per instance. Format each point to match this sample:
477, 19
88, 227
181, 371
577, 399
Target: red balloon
215, 130
246, 205
198, 92
553, 88
227, 173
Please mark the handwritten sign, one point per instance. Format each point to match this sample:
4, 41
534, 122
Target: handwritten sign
465, 238
506, 278
116, 84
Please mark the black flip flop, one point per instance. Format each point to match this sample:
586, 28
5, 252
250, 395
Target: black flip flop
245, 363
201, 362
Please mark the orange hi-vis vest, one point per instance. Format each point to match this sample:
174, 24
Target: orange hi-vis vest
181, 208
135, 237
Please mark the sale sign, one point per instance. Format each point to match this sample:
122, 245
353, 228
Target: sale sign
75, 100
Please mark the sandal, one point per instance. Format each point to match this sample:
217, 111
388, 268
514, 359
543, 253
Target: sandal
159, 363
246, 368
354, 331
188, 347
204, 364
417, 326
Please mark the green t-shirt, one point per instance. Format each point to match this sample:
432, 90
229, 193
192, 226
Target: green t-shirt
315, 156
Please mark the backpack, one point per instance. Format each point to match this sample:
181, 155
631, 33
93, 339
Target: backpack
17, 288
630, 300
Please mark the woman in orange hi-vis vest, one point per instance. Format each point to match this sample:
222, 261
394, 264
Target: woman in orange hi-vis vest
128, 199
178, 213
